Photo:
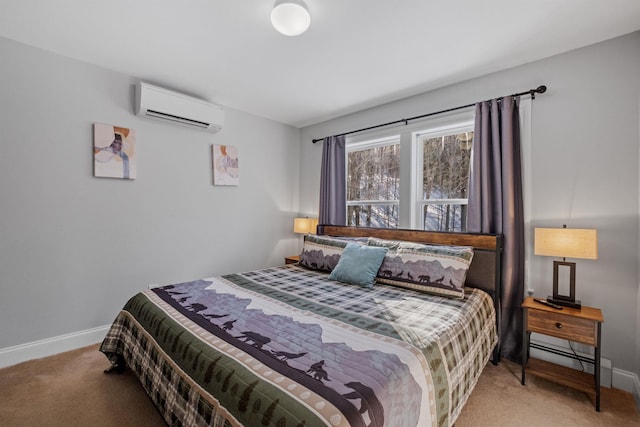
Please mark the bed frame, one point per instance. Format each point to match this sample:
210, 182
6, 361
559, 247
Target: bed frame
486, 266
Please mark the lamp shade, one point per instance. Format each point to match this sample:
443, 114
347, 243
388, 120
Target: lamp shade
290, 17
566, 242
305, 225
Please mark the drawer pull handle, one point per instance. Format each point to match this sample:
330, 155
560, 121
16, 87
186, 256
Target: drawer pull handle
559, 325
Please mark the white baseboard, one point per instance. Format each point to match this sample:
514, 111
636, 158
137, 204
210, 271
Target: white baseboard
624, 380
627, 381
50, 346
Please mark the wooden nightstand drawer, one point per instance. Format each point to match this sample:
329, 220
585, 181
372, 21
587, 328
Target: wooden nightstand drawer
563, 326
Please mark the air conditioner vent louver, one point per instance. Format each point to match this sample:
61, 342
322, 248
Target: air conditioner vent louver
165, 116
174, 107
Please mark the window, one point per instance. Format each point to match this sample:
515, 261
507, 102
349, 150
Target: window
417, 178
443, 180
373, 183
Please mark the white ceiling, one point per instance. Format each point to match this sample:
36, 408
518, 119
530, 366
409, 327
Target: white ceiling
356, 54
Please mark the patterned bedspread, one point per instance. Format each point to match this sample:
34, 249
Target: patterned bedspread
285, 347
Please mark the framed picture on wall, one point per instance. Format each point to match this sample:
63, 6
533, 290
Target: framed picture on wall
225, 165
114, 152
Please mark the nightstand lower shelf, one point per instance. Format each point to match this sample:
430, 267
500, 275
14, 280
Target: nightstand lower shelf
562, 375
583, 326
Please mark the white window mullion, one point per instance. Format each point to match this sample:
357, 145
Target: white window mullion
417, 178
406, 211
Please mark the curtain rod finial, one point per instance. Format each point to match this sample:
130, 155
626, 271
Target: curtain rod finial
539, 89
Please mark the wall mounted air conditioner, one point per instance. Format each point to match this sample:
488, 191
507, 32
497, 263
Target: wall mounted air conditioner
164, 104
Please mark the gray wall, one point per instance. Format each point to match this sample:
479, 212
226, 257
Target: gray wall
74, 248
583, 168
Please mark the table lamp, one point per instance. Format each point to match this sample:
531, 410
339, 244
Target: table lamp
566, 243
305, 225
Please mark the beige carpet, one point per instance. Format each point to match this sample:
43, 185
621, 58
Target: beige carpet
499, 400
70, 389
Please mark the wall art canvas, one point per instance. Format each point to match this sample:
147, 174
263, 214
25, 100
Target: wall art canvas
225, 165
114, 152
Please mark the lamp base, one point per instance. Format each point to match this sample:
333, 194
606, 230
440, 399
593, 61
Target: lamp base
572, 304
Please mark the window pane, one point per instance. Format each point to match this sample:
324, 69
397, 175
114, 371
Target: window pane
374, 173
446, 166
379, 216
444, 217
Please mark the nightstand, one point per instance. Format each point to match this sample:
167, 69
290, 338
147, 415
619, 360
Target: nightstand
577, 325
292, 259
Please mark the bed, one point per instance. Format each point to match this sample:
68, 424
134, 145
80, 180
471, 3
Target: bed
301, 345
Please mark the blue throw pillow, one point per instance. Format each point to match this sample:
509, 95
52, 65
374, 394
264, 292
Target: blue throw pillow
358, 265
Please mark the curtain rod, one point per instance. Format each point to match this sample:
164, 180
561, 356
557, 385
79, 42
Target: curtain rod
532, 92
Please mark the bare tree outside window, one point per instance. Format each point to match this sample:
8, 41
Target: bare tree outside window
373, 186
445, 181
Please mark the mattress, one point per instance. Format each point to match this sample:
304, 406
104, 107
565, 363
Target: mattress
284, 346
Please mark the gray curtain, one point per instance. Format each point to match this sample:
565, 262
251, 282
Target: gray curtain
495, 205
333, 207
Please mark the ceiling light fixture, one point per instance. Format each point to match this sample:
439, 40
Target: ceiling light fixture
290, 17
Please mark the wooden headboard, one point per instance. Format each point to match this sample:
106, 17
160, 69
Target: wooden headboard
485, 269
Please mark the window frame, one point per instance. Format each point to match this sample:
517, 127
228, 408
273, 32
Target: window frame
406, 134
368, 144
465, 124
